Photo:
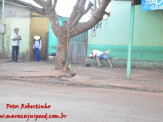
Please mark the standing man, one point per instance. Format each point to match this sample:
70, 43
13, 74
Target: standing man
15, 37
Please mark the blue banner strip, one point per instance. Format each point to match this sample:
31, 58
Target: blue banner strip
150, 5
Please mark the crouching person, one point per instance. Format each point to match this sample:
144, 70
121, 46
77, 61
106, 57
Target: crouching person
37, 47
98, 55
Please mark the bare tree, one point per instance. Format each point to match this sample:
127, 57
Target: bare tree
71, 27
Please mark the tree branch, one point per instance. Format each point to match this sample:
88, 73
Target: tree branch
75, 22
89, 7
55, 3
79, 4
49, 3
40, 2
93, 21
81, 13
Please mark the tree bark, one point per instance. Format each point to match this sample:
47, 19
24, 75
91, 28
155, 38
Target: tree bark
62, 54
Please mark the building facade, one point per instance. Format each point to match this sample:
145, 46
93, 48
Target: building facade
31, 21
16, 16
147, 45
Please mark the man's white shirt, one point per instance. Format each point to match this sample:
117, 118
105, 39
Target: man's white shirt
15, 42
96, 53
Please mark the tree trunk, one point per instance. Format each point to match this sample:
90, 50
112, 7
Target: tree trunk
62, 53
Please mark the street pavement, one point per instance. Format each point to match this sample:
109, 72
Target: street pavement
78, 104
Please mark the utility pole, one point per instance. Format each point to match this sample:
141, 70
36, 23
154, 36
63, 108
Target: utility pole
130, 41
3, 19
133, 3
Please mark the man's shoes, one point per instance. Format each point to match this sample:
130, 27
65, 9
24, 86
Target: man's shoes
99, 66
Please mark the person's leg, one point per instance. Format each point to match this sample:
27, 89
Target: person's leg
13, 53
98, 61
98, 58
37, 54
17, 53
109, 61
106, 57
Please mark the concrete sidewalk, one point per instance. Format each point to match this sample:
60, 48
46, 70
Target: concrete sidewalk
105, 77
141, 79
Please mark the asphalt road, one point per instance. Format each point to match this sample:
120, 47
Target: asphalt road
78, 104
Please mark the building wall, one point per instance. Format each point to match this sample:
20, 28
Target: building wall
114, 33
39, 26
52, 44
17, 17
148, 35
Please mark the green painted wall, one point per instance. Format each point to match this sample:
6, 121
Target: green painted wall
114, 33
52, 44
148, 28
148, 35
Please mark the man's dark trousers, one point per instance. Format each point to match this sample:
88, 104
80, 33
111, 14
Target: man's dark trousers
15, 53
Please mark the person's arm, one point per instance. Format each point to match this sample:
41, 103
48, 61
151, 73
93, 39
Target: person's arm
33, 44
15, 38
94, 52
40, 45
19, 37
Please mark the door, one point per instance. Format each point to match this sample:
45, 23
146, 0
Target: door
78, 47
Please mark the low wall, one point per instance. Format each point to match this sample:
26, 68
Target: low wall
123, 63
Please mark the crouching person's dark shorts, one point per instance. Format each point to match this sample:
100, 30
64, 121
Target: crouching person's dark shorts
103, 56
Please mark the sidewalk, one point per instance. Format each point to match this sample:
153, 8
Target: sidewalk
105, 77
